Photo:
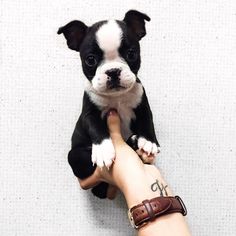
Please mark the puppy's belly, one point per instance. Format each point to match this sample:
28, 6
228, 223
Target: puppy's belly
126, 115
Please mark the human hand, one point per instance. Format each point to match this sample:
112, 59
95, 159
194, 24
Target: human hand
128, 172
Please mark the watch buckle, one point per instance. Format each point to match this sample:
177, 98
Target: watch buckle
131, 220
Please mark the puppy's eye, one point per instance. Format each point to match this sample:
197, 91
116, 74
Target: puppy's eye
91, 61
131, 55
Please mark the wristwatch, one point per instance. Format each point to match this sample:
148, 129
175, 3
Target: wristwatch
149, 210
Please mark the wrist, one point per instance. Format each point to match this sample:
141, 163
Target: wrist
151, 209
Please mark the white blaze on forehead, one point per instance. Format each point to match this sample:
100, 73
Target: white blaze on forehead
109, 38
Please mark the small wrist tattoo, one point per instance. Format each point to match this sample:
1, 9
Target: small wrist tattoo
156, 186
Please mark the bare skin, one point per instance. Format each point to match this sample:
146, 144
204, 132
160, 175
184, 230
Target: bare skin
137, 181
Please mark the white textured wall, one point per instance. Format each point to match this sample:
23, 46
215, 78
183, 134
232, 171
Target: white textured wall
189, 71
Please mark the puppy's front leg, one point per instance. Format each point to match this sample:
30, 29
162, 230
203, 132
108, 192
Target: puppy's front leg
103, 152
145, 139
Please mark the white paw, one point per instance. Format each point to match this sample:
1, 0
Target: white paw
148, 146
103, 154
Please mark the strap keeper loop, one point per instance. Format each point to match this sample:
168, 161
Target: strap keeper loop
149, 209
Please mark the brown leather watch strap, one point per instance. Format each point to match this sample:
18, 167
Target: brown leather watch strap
148, 210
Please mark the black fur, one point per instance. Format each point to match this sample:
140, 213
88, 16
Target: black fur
90, 127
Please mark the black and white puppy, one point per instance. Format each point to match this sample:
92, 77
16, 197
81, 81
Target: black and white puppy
110, 55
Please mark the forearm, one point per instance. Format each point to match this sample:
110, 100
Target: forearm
147, 183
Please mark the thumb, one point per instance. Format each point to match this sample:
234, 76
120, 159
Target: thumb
113, 123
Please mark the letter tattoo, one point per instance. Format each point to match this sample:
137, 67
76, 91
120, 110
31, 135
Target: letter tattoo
156, 186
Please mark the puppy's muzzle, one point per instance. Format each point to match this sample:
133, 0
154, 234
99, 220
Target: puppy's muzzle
113, 78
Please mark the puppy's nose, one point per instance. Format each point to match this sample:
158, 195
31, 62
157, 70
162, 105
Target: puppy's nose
113, 80
113, 73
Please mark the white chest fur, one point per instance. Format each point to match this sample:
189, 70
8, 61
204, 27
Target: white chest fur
123, 103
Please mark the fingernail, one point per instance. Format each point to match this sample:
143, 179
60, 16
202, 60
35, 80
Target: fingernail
112, 112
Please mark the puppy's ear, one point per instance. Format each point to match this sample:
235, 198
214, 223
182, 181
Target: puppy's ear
135, 22
74, 33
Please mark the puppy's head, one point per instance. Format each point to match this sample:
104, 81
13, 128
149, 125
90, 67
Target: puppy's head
109, 51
